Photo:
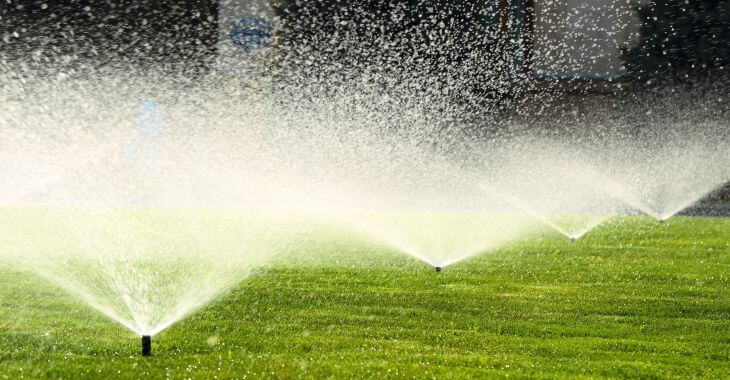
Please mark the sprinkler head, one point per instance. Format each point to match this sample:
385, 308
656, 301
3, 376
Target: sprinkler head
146, 345
438, 269
573, 239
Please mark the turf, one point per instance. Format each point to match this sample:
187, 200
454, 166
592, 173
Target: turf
634, 298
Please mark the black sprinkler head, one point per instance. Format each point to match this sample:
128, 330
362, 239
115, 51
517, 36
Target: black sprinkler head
146, 345
438, 269
573, 239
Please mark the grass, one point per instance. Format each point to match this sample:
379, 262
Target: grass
634, 298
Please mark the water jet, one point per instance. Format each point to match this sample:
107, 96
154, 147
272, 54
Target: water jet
440, 237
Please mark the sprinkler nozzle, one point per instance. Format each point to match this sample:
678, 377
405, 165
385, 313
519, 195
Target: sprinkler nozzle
146, 345
438, 269
573, 239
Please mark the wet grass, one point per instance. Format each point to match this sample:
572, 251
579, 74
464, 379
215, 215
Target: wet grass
634, 298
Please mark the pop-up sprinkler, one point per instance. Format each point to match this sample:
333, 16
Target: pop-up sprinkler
438, 269
146, 345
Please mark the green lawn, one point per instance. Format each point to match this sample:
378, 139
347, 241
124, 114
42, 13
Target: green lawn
634, 298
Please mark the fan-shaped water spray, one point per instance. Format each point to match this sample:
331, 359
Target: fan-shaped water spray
147, 194
668, 180
547, 181
133, 233
441, 238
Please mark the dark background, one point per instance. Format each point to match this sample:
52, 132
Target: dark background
98, 32
679, 40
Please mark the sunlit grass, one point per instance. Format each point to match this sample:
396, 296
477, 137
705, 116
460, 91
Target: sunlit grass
633, 298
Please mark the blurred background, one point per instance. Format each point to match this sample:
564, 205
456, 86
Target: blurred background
588, 40
487, 63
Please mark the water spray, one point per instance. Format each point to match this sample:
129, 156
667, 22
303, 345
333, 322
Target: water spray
146, 345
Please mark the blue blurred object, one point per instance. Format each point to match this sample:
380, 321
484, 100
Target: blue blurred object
149, 122
150, 128
251, 33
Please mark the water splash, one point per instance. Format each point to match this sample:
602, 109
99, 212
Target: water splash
137, 237
147, 218
145, 268
547, 182
664, 181
441, 238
